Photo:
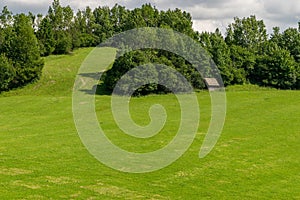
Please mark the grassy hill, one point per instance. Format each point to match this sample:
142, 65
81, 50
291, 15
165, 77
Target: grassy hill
42, 157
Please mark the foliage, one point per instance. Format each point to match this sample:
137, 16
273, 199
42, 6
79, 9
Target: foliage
275, 67
273, 62
153, 73
220, 53
7, 73
24, 52
289, 40
45, 35
63, 42
246, 32
244, 54
20, 54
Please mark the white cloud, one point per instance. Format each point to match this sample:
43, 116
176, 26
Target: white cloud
210, 25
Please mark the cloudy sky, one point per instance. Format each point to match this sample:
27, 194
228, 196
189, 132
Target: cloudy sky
207, 14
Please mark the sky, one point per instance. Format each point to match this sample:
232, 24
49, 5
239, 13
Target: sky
207, 14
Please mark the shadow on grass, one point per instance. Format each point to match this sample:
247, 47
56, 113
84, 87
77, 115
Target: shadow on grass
98, 89
101, 89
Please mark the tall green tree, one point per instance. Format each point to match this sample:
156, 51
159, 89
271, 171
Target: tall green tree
136, 19
119, 18
104, 28
7, 73
150, 15
290, 40
6, 30
24, 52
220, 52
243, 62
45, 35
61, 21
246, 32
275, 67
178, 20
83, 30
276, 36
55, 13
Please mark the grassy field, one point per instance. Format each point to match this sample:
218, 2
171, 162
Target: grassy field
42, 157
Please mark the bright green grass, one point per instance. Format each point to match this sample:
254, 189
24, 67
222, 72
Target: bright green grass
42, 157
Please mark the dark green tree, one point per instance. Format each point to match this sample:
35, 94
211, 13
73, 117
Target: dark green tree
243, 62
24, 52
150, 15
119, 18
275, 67
61, 20
276, 36
7, 73
220, 52
290, 40
104, 28
178, 20
55, 13
83, 30
45, 35
246, 32
63, 43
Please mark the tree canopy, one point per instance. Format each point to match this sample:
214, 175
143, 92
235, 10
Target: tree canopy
19, 51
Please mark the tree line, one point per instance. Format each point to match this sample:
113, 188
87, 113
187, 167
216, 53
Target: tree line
244, 54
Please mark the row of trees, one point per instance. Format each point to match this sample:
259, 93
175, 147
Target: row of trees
245, 54
62, 30
248, 55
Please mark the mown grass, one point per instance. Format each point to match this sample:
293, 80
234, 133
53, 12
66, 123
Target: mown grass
42, 157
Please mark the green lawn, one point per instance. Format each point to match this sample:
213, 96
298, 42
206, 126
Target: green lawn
42, 157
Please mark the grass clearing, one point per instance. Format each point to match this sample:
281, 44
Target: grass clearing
42, 157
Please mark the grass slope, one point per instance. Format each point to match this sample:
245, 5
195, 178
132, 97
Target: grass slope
42, 157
